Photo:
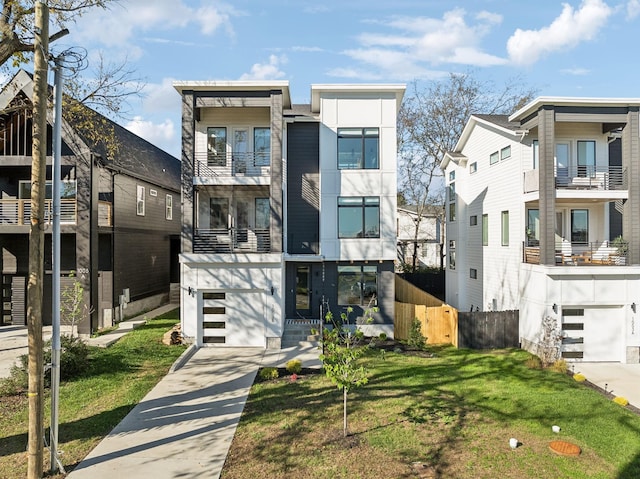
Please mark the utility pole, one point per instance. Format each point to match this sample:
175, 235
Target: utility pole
36, 244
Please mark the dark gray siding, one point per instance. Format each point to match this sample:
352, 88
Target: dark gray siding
615, 208
142, 247
317, 290
303, 188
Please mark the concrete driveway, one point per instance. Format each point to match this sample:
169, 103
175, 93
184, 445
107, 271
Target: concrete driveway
615, 378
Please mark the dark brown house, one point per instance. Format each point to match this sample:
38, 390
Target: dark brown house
120, 216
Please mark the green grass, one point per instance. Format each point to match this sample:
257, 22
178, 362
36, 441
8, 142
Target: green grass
448, 416
90, 406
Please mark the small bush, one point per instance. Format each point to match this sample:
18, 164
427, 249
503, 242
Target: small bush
533, 362
18, 380
74, 357
620, 400
268, 373
579, 377
382, 336
560, 366
294, 366
416, 338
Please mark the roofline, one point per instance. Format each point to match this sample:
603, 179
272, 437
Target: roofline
473, 120
316, 89
535, 104
235, 85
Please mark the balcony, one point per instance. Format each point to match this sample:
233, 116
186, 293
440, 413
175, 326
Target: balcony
604, 253
16, 212
602, 178
233, 240
246, 164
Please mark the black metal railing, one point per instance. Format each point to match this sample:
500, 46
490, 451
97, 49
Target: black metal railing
252, 163
232, 240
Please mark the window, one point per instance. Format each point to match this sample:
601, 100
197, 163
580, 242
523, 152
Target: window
452, 175
579, 226
357, 285
494, 157
216, 146
473, 167
219, 213
473, 220
168, 203
262, 213
262, 146
67, 190
533, 227
485, 230
536, 154
140, 200
452, 254
452, 192
505, 228
586, 158
505, 153
358, 217
358, 148
473, 273
153, 192
452, 211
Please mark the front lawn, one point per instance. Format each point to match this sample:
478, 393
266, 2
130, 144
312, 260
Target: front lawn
90, 406
450, 416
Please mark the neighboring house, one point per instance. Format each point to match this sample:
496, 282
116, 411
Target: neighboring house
120, 217
420, 237
289, 211
538, 204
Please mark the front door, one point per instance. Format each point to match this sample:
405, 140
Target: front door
303, 290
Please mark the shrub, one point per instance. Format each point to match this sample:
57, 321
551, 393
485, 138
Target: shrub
533, 362
18, 379
416, 338
382, 336
294, 366
268, 373
620, 400
579, 377
74, 357
560, 366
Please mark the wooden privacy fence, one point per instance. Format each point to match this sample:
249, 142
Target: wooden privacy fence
488, 330
439, 321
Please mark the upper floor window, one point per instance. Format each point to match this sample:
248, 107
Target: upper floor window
494, 157
358, 217
452, 254
262, 146
485, 230
473, 167
67, 190
580, 226
168, 203
586, 158
358, 148
535, 145
452, 175
140, 200
505, 228
473, 220
216, 146
505, 153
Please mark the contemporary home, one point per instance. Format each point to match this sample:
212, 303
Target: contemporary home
288, 211
120, 216
420, 234
543, 216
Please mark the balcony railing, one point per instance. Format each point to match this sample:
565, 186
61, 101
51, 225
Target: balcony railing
604, 253
252, 163
233, 240
581, 178
16, 212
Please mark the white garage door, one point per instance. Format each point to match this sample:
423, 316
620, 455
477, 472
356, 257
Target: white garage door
233, 318
592, 334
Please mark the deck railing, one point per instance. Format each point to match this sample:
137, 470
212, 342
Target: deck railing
232, 240
604, 253
251, 163
581, 178
17, 212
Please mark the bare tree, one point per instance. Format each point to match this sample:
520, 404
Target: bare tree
430, 122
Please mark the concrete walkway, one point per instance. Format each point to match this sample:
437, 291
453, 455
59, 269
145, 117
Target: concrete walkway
183, 428
615, 378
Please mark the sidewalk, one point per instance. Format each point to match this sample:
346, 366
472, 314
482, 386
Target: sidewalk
185, 425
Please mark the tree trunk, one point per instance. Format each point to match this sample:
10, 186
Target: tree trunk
344, 413
36, 246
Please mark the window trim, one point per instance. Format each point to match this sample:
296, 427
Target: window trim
359, 280
168, 207
504, 227
140, 200
365, 133
485, 229
363, 206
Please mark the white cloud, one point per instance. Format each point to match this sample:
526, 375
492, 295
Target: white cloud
433, 41
572, 27
267, 71
633, 9
162, 134
576, 71
161, 97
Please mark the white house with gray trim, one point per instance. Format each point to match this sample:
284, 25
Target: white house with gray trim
543, 216
289, 211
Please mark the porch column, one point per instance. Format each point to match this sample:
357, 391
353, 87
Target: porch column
188, 134
547, 181
631, 164
276, 171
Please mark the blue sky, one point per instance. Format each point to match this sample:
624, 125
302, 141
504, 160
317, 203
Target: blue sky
572, 48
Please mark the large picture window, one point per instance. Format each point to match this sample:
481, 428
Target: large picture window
580, 226
357, 285
358, 148
216, 146
358, 217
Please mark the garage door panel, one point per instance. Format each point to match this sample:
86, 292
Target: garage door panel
233, 318
592, 334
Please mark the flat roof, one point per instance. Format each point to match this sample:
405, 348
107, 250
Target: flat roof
317, 89
535, 104
236, 85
